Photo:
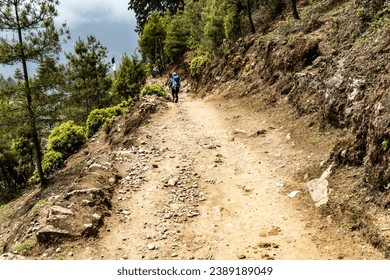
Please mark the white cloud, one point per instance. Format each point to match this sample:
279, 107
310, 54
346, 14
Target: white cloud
77, 12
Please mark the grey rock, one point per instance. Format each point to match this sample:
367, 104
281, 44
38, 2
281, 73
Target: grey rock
84, 191
96, 167
318, 188
49, 234
59, 210
10, 256
172, 182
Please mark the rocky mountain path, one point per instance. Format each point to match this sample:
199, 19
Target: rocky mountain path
208, 181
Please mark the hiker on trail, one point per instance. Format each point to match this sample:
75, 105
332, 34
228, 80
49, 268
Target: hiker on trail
174, 83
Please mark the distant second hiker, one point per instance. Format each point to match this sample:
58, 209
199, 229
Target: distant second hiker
174, 83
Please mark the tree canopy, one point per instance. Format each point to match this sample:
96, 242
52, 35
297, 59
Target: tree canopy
87, 83
35, 38
143, 9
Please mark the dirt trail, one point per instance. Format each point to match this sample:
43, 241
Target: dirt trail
207, 181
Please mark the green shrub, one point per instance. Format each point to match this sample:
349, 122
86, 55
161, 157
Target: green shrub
99, 117
155, 89
52, 161
66, 138
63, 141
385, 144
197, 64
41, 204
25, 246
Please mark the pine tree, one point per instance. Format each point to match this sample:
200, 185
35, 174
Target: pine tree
143, 9
151, 41
88, 83
130, 78
33, 36
49, 97
16, 147
176, 41
214, 30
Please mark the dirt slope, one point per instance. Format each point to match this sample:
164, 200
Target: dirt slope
209, 181
199, 179
211, 178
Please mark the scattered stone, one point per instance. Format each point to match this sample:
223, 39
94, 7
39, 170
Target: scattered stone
56, 210
152, 246
97, 217
318, 188
10, 256
96, 167
238, 131
293, 194
89, 230
174, 255
241, 257
86, 202
259, 132
94, 191
172, 182
193, 213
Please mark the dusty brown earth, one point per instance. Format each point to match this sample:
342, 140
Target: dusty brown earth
219, 178
206, 180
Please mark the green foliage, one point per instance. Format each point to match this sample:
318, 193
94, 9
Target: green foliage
273, 7
36, 20
197, 64
192, 22
87, 79
32, 37
356, 218
25, 246
151, 41
144, 8
385, 144
66, 138
99, 117
130, 78
233, 20
176, 42
213, 33
154, 89
42, 203
63, 141
381, 19
52, 161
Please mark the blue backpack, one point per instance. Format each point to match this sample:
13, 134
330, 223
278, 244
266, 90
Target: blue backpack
174, 84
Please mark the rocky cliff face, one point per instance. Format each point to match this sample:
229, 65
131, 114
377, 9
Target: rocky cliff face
333, 64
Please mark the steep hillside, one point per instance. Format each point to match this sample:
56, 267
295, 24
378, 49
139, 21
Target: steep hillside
228, 172
332, 66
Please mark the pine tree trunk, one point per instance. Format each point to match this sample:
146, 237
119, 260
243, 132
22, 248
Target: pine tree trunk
249, 11
294, 9
31, 115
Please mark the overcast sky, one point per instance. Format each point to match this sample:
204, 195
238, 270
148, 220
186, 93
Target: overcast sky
108, 20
